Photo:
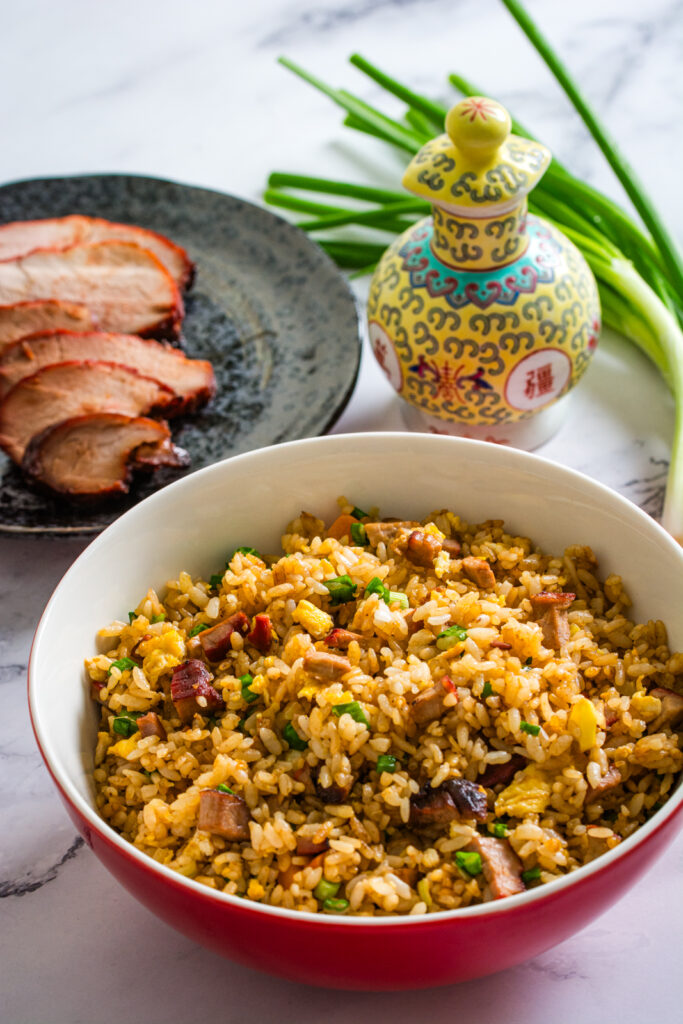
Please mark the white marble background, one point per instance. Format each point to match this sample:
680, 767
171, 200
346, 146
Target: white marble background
191, 91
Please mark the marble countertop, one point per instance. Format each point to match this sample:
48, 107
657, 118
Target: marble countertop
193, 92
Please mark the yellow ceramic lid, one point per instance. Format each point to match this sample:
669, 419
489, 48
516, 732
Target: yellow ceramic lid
477, 165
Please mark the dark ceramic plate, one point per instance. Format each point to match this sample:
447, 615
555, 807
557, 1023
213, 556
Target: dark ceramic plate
268, 308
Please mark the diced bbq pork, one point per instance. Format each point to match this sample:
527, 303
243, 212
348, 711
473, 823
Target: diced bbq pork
192, 380
151, 725
261, 635
453, 800
22, 318
672, 708
21, 237
191, 691
451, 546
501, 774
305, 847
610, 780
223, 814
422, 548
332, 794
551, 614
479, 571
68, 390
124, 286
328, 667
501, 866
216, 641
429, 704
341, 638
93, 457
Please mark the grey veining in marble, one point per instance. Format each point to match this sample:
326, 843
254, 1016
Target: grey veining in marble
192, 92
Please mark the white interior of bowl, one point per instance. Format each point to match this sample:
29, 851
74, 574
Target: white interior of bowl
193, 523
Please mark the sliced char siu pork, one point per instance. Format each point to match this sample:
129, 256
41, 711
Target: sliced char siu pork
191, 379
94, 456
24, 318
24, 236
124, 286
65, 390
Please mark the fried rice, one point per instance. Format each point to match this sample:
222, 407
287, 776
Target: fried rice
423, 717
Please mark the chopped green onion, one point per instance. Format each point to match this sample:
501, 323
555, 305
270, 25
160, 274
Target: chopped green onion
215, 580
468, 861
529, 727
336, 906
531, 875
248, 695
358, 513
398, 596
222, 788
358, 534
293, 738
487, 691
499, 829
528, 663
122, 664
375, 586
199, 628
325, 890
450, 637
161, 617
354, 709
341, 588
241, 551
386, 763
126, 724
131, 616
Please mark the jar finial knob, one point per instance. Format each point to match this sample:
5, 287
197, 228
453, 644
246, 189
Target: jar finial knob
478, 127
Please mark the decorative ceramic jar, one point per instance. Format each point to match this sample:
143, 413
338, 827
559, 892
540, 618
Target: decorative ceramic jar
482, 316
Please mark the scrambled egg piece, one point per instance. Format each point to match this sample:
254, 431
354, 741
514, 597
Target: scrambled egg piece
124, 747
528, 794
314, 620
161, 653
646, 706
255, 890
583, 723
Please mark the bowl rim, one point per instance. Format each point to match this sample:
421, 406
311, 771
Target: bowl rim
62, 780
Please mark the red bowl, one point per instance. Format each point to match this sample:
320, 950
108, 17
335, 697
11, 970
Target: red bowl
185, 526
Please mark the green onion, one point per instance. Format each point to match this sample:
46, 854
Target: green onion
396, 596
487, 691
126, 724
531, 875
358, 513
293, 738
354, 709
215, 580
122, 664
450, 637
375, 586
341, 588
639, 275
199, 628
336, 906
161, 617
325, 890
131, 616
468, 861
500, 829
529, 727
248, 695
528, 663
222, 788
241, 551
386, 763
358, 534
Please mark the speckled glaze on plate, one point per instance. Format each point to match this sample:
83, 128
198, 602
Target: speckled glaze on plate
268, 308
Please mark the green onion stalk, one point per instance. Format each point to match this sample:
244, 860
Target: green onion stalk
637, 267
